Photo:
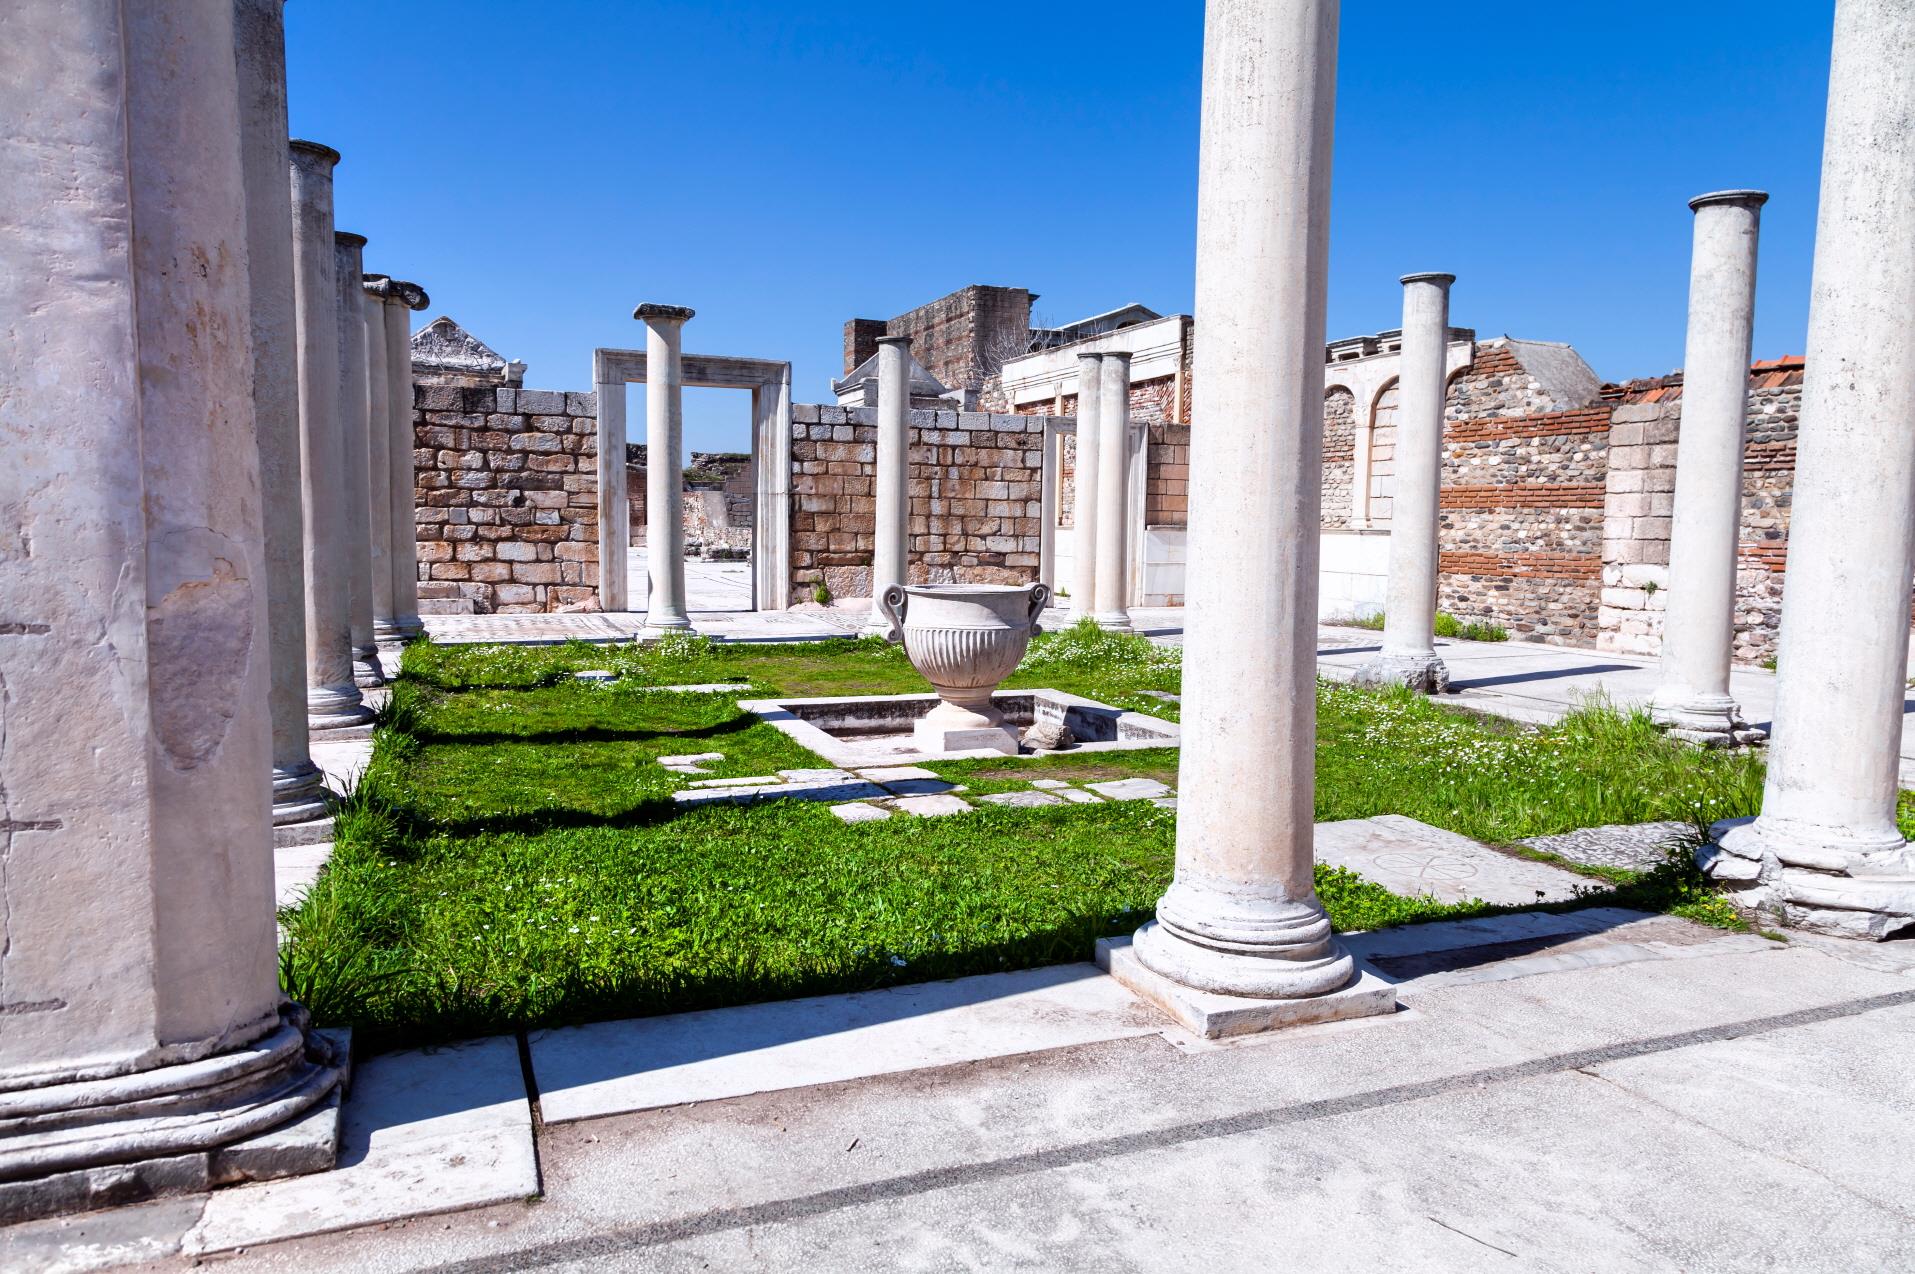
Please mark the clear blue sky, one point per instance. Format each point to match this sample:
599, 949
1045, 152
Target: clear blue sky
542, 167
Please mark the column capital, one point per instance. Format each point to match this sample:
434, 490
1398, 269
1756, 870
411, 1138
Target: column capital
1429, 276
312, 153
653, 312
905, 341
1089, 356
1734, 198
395, 291
347, 239
1117, 355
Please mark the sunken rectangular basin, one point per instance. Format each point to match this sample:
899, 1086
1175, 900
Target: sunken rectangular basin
876, 729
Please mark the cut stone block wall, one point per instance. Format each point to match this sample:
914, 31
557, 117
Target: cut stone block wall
719, 504
1339, 456
507, 497
974, 485
1167, 476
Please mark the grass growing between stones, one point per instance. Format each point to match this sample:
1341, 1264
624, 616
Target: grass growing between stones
512, 858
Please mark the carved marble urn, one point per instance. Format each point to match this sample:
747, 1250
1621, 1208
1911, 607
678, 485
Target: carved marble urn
964, 639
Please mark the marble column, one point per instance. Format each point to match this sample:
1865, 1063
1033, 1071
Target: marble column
1241, 922
372, 330
664, 465
332, 693
890, 552
1084, 488
1113, 491
1825, 852
1408, 657
142, 1032
1698, 625
355, 482
402, 476
299, 789
614, 499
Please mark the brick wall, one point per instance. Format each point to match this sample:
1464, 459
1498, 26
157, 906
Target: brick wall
1167, 476
507, 496
974, 483
1339, 457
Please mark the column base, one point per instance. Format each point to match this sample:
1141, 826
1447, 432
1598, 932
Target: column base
336, 708
366, 672
386, 636
268, 1109
1425, 673
659, 625
1213, 1015
408, 627
1113, 621
1710, 721
300, 795
1824, 880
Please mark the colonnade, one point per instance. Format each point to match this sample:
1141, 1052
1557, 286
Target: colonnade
1101, 508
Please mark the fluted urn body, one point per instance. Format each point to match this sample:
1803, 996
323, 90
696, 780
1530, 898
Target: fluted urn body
964, 639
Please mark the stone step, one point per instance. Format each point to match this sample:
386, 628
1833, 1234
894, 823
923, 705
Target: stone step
447, 606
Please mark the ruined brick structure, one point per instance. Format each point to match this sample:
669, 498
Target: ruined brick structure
961, 338
720, 490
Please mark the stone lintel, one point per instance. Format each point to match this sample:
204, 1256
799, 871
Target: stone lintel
650, 310
1215, 1016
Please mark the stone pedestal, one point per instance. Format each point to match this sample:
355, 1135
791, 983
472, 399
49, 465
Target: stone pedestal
1084, 478
142, 1029
354, 488
1408, 657
372, 331
332, 692
299, 789
890, 552
1698, 627
1113, 491
1241, 917
1825, 854
403, 299
664, 466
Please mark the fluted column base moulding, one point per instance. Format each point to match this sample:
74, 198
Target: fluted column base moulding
1710, 721
261, 1110
1800, 877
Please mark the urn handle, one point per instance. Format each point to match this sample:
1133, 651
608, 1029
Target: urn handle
1040, 598
891, 604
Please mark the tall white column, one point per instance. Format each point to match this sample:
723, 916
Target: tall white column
402, 478
354, 487
372, 331
142, 1029
332, 694
614, 500
1408, 657
1241, 917
1825, 851
1113, 490
1084, 477
299, 789
664, 465
890, 550
1698, 626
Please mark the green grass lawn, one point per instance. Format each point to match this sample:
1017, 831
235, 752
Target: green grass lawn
513, 858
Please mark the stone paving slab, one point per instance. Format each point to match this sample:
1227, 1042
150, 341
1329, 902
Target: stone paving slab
859, 812
931, 806
610, 1068
1130, 789
427, 1131
847, 790
1021, 800
1636, 846
1411, 858
295, 869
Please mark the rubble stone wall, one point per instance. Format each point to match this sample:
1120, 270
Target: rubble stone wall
974, 486
506, 497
